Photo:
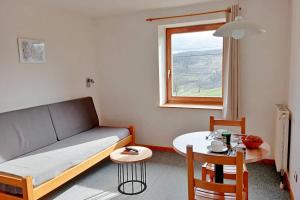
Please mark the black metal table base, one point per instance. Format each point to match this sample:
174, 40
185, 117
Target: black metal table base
219, 177
132, 178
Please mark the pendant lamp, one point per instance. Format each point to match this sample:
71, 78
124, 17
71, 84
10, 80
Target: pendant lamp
238, 29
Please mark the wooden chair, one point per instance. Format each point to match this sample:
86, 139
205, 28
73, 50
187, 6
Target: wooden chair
229, 171
220, 122
205, 190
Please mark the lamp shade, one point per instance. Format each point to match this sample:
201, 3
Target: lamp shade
238, 29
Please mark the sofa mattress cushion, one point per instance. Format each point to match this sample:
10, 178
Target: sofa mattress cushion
48, 162
24, 131
73, 117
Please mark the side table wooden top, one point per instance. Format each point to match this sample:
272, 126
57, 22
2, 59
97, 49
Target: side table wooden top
144, 154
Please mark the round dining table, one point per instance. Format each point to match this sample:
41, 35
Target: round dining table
200, 141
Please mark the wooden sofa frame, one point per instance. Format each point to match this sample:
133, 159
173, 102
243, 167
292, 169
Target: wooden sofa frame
31, 193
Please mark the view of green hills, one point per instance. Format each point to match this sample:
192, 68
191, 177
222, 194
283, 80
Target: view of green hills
197, 73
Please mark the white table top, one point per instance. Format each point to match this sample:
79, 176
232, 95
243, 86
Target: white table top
200, 143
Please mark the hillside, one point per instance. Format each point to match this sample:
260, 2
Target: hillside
197, 73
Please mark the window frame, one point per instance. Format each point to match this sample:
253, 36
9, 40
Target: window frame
188, 100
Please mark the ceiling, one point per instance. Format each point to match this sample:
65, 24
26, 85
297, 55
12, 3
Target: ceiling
100, 8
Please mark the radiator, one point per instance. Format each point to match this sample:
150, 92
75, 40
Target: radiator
281, 140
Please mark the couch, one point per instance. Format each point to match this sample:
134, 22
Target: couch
43, 147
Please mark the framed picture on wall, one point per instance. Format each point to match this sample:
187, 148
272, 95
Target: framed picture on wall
31, 51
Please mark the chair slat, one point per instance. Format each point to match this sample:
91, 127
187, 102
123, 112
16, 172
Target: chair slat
216, 187
220, 122
206, 195
215, 159
227, 122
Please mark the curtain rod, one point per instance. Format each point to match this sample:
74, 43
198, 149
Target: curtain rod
188, 15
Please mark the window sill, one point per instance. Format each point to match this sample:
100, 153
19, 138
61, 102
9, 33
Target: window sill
193, 106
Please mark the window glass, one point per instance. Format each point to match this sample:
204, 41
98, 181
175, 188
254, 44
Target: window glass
196, 59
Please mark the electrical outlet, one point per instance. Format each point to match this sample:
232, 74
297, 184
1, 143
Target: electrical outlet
295, 176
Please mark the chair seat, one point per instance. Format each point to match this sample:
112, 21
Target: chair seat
201, 194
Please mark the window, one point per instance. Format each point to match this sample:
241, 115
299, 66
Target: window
194, 65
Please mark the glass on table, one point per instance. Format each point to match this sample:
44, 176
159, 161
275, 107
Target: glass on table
214, 135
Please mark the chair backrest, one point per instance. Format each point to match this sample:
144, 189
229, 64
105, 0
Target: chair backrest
220, 122
193, 183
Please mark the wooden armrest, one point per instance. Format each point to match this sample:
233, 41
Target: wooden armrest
130, 128
115, 126
10, 179
25, 183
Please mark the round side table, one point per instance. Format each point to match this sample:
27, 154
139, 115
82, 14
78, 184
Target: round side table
132, 170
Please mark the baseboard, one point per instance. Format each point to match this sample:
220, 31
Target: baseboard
157, 148
267, 162
288, 186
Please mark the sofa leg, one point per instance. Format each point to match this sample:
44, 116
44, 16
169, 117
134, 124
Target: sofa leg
27, 188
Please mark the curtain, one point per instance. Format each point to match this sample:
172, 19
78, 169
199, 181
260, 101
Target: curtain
230, 73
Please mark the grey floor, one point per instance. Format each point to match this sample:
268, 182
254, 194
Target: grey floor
167, 180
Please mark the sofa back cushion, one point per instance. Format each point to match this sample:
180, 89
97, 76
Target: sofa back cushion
24, 131
73, 117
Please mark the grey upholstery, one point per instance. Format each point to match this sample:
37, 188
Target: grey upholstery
48, 162
44, 141
24, 131
73, 117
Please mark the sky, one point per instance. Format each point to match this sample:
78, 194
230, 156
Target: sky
196, 41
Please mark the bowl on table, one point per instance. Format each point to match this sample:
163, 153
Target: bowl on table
252, 141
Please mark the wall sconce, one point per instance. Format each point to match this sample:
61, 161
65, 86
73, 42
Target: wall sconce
89, 82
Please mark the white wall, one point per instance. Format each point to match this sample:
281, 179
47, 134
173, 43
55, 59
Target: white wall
127, 79
294, 97
70, 49
128, 72
265, 64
